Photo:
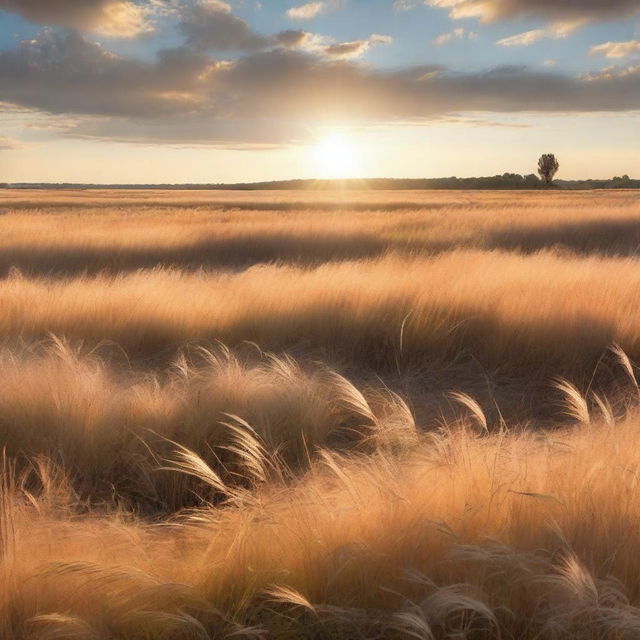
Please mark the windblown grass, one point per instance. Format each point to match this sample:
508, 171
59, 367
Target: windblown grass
68, 233
319, 415
110, 429
518, 535
552, 313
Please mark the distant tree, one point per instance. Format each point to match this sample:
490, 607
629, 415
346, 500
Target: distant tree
548, 167
531, 180
618, 182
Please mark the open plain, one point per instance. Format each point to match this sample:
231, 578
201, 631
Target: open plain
311, 414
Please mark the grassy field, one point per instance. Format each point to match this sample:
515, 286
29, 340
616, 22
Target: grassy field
319, 415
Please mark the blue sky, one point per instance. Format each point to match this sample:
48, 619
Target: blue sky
414, 30
207, 90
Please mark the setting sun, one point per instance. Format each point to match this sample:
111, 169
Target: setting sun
336, 156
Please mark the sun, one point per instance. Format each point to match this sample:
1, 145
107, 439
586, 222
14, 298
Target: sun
336, 156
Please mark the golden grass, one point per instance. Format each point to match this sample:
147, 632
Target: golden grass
68, 232
547, 311
110, 430
439, 440
518, 535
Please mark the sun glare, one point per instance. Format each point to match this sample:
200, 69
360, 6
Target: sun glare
336, 156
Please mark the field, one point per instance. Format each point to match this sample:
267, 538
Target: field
320, 415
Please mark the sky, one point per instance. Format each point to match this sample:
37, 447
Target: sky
208, 91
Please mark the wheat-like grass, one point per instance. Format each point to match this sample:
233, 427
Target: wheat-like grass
319, 415
386, 543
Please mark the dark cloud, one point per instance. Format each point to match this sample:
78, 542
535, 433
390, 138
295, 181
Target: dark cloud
65, 73
292, 38
194, 129
298, 84
581, 10
210, 25
125, 18
355, 48
346, 49
267, 97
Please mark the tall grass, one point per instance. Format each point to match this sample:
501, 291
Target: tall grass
516, 535
109, 428
550, 312
319, 415
68, 233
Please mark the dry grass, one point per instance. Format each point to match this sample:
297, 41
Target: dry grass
71, 232
497, 325
440, 439
110, 430
519, 535
500, 307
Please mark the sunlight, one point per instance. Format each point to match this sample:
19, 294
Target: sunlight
336, 156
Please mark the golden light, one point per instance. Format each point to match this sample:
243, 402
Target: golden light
336, 156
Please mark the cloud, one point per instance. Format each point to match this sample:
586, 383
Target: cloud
404, 5
210, 24
293, 38
116, 18
194, 130
355, 48
65, 73
302, 40
271, 96
615, 49
490, 10
306, 11
456, 34
523, 39
613, 72
483, 122
324, 46
8, 144
556, 31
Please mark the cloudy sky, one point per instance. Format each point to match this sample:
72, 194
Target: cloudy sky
241, 90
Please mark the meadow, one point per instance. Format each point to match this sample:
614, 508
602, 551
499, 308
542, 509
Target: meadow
322, 415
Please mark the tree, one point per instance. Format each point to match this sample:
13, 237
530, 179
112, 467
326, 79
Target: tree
532, 181
548, 167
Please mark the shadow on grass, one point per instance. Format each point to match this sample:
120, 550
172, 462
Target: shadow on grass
608, 238
224, 252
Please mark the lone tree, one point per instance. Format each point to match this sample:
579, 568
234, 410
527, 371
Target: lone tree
548, 167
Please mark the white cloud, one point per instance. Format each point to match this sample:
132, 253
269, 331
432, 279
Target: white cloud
583, 10
613, 73
306, 11
404, 5
564, 16
523, 39
615, 49
456, 34
557, 30
326, 46
564, 28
